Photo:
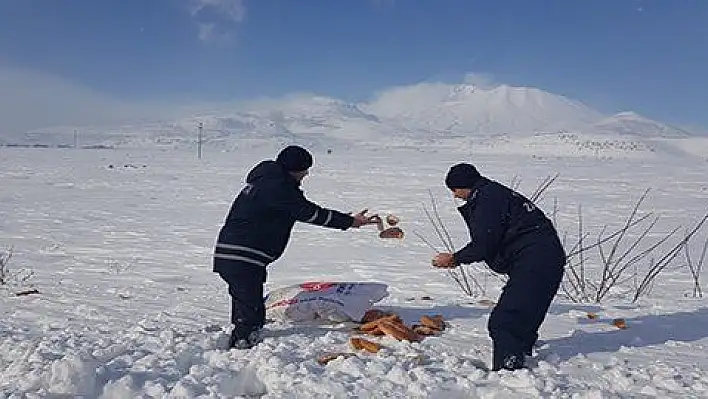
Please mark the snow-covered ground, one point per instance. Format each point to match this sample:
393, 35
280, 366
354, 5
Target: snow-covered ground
120, 244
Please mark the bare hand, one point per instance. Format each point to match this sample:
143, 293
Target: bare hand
444, 261
362, 219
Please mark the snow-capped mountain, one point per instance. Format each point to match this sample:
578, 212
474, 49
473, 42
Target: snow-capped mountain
443, 109
318, 115
631, 123
310, 116
290, 119
426, 111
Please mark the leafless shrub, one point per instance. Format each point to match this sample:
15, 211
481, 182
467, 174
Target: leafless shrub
695, 268
621, 259
463, 275
658, 266
4, 266
9, 277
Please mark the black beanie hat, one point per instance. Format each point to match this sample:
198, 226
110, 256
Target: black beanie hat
462, 175
294, 159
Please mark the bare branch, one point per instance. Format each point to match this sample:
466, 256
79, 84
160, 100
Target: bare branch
661, 264
581, 281
607, 271
695, 268
445, 244
575, 251
543, 187
426, 242
440, 222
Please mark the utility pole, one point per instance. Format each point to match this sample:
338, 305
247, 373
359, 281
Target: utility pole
201, 127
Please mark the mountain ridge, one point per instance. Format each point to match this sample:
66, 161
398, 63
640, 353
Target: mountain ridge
424, 110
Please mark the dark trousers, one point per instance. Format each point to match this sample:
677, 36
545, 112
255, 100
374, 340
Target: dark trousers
533, 282
246, 290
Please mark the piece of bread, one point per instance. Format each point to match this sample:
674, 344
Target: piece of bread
375, 323
373, 314
392, 232
376, 332
435, 322
619, 323
370, 326
424, 330
398, 331
361, 343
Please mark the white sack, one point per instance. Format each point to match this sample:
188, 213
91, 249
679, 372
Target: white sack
332, 301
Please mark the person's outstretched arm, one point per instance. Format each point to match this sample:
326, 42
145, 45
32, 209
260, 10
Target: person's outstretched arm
293, 202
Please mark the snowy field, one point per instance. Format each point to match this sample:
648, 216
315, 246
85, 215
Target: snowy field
119, 243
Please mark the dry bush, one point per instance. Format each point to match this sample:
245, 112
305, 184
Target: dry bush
5, 274
9, 277
463, 275
626, 261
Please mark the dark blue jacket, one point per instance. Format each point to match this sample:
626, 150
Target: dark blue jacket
258, 226
502, 222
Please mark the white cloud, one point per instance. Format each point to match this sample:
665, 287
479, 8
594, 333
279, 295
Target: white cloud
33, 100
206, 31
481, 80
216, 19
211, 32
233, 10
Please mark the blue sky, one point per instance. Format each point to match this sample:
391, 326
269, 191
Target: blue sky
614, 55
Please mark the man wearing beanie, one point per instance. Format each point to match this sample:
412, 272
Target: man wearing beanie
257, 230
513, 237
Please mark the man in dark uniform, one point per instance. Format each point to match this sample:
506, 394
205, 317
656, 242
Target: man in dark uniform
257, 230
513, 237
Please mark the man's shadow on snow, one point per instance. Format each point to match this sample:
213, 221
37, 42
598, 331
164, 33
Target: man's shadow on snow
564, 308
641, 331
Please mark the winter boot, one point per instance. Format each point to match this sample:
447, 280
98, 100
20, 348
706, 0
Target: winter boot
508, 362
244, 338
